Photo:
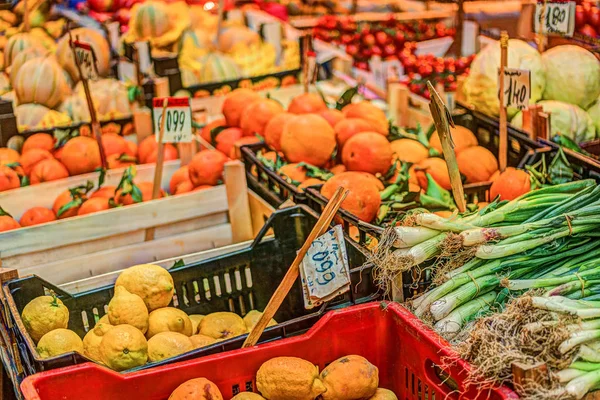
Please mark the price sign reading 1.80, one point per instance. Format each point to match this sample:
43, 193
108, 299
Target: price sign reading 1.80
178, 120
556, 17
86, 60
517, 87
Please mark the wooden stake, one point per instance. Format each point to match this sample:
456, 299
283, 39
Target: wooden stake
220, 21
25, 16
503, 147
305, 44
443, 121
237, 200
543, 125
292, 274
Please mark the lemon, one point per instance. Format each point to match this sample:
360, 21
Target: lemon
202, 341
195, 318
92, 340
252, 318
44, 314
169, 319
152, 283
123, 347
59, 341
168, 344
247, 396
222, 325
103, 320
382, 394
128, 308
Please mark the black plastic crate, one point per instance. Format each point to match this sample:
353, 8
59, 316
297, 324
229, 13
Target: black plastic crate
237, 282
583, 167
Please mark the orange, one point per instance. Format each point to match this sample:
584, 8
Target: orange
81, 155
114, 144
205, 133
42, 141
408, 150
145, 187
105, 191
307, 103
196, 389
240, 142
338, 169
145, 147
170, 154
438, 170
235, 103
367, 152
310, 182
36, 216
8, 179
380, 186
34, 156
180, 176
7, 223
363, 198
8, 156
63, 199
48, 170
132, 148
184, 187
256, 116
294, 172
368, 111
308, 138
462, 137
226, 138
510, 184
349, 127
57, 153
202, 187
93, 205
274, 129
123, 160
477, 164
206, 168
332, 116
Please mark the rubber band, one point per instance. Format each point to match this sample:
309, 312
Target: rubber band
582, 284
569, 224
475, 282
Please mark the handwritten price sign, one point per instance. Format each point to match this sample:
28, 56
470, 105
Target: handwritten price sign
556, 17
86, 59
324, 270
517, 87
178, 119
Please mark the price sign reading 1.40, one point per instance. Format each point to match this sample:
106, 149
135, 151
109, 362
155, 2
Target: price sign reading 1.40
178, 119
555, 17
517, 87
86, 60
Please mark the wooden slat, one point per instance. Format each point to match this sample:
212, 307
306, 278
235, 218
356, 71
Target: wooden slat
237, 199
310, 22
260, 210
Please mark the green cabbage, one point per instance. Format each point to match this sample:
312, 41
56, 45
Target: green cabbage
565, 119
481, 86
594, 113
572, 75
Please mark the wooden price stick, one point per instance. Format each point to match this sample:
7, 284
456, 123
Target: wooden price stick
305, 44
290, 277
90, 102
443, 121
503, 147
220, 21
25, 16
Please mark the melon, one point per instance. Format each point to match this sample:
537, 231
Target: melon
237, 35
43, 37
36, 116
110, 99
10, 96
189, 77
196, 42
218, 68
150, 20
4, 83
41, 81
256, 59
17, 44
64, 54
22, 58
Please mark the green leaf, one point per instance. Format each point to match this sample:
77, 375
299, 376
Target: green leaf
437, 195
76, 202
430, 131
25, 181
316, 172
62, 136
346, 98
560, 170
3, 213
136, 194
178, 263
101, 177
422, 136
214, 133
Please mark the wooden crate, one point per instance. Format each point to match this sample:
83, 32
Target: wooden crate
82, 247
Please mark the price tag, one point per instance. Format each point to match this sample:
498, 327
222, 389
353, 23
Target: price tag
143, 50
324, 270
272, 32
517, 87
178, 123
384, 70
85, 59
114, 31
556, 17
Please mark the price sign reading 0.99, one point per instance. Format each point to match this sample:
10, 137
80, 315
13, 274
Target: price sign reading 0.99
178, 119
517, 87
85, 58
555, 17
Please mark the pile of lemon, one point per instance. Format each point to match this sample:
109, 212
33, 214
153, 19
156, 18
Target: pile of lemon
139, 326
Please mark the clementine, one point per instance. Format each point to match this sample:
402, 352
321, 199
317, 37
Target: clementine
462, 137
184, 187
169, 150
205, 133
81, 155
132, 148
146, 189
338, 169
202, 187
8, 156
368, 111
123, 160
332, 116
9, 179
48, 170
367, 152
180, 176
256, 116
438, 170
510, 184
307, 103
408, 150
34, 156
376, 182
8, 223
477, 163
274, 129
63, 199
37, 216
114, 144
349, 127
94, 205
363, 199
105, 191
308, 138
38, 141
235, 103
293, 171
226, 138
206, 168
310, 182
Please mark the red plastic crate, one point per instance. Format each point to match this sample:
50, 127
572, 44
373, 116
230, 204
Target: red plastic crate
405, 351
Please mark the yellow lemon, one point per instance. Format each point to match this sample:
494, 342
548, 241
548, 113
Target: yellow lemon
169, 319
92, 340
350, 377
252, 318
103, 320
123, 347
168, 344
202, 341
128, 308
382, 394
195, 318
44, 314
152, 283
289, 378
247, 396
59, 341
222, 325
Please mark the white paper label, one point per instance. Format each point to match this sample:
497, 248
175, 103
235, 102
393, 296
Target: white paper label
517, 87
385, 70
178, 119
324, 270
126, 71
86, 60
555, 17
114, 31
143, 49
273, 36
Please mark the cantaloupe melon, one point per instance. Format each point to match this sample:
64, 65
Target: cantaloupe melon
110, 101
64, 54
218, 68
17, 44
41, 81
4, 84
237, 34
197, 42
160, 23
22, 57
36, 116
